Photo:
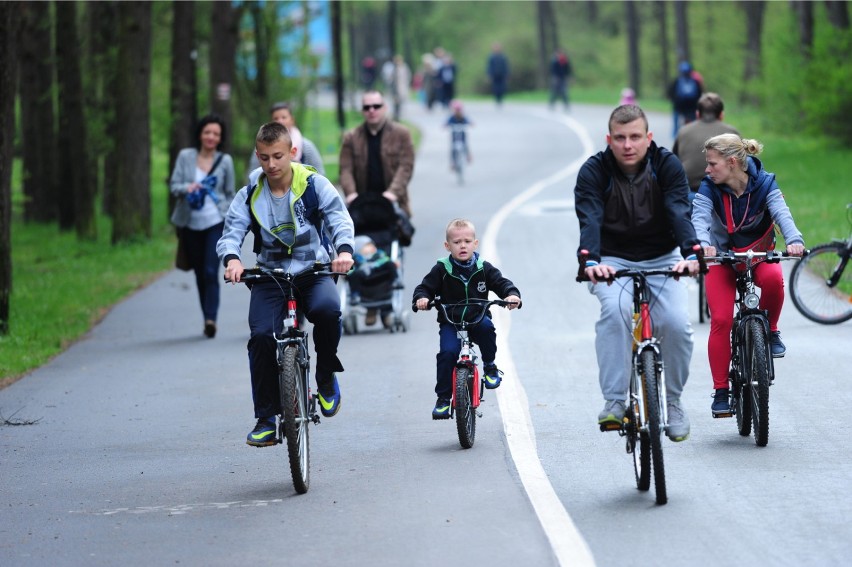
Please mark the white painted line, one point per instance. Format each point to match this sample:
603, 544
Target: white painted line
568, 545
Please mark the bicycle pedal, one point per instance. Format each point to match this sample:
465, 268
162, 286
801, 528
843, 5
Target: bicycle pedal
723, 414
610, 426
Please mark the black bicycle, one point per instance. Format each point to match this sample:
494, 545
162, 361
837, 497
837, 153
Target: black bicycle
298, 403
645, 417
752, 368
821, 282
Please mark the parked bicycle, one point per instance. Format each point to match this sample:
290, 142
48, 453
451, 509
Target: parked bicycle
468, 386
298, 403
645, 416
821, 282
752, 367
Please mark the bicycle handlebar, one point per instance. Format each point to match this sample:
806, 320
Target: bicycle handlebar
484, 304
260, 273
629, 273
770, 256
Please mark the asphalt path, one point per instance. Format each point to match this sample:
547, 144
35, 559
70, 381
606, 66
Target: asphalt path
137, 453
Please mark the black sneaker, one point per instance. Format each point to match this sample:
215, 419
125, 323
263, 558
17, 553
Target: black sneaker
263, 434
493, 376
721, 404
442, 409
776, 346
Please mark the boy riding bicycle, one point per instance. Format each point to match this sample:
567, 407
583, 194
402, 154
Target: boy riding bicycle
458, 123
459, 276
288, 207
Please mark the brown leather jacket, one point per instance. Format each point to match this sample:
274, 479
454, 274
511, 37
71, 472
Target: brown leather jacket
397, 161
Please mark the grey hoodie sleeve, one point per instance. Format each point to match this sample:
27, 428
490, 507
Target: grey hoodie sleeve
783, 218
702, 218
335, 215
237, 225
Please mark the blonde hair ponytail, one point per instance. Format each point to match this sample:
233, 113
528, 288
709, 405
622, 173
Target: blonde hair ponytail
732, 146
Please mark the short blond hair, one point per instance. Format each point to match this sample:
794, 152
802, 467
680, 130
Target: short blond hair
459, 223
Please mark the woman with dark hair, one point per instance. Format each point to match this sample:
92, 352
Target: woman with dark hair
203, 182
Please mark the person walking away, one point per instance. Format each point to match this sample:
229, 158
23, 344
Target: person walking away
459, 276
689, 144
737, 207
400, 83
498, 72
377, 157
203, 181
448, 80
306, 151
684, 93
632, 205
560, 73
287, 207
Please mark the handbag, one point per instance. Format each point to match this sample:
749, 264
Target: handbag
181, 257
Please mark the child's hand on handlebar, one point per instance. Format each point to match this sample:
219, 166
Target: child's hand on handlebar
513, 300
422, 304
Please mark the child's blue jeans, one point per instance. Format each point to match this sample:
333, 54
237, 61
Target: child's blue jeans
483, 335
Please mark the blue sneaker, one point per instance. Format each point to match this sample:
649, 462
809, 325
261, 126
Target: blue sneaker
263, 434
442, 409
721, 405
776, 346
329, 401
493, 376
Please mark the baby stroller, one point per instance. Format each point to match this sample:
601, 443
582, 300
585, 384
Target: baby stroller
375, 285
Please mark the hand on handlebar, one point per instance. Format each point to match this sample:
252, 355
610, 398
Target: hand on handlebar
234, 271
513, 301
343, 263
422, 304
795, 249
686, 268
600, 273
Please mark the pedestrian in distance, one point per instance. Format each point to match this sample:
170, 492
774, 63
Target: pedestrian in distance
689, 144
737, 207
306, 151
279, 207
203, 181
498, 72
631, 201
560, 73
684, 93
400, 82
459, 276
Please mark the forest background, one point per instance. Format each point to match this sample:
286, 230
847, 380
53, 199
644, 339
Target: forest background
783, 68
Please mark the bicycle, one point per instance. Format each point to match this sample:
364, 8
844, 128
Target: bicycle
752, 368
645, 417
468, 385
820, 284
298, 404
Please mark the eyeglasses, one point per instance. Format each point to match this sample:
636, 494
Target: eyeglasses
368, 107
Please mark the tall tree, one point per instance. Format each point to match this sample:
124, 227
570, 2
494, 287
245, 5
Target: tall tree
754, 11
337, 41
392, 26
805, 19
132, 205
682, 30
544, 12
838, 13
223, 61
662, 21
38, 123
8, 68
182, 101
79, 210
633, 71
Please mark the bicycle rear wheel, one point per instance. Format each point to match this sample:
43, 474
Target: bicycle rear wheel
811, 286
757, 362
465, 412
295, 418
653, 411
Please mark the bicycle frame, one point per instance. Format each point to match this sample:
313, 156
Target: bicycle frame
293, 335
467, 359
644, 339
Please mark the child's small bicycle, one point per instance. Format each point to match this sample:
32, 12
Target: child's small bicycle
468, 385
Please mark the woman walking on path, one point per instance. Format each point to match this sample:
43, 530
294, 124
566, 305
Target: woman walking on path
203, 181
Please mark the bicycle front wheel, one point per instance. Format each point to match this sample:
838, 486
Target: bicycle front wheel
821, 284
757, 362
295, 418
653, 410
638, 444
465, 412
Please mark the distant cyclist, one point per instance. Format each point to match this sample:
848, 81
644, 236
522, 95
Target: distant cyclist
458, 124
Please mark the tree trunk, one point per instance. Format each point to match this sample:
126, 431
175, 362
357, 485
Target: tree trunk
838, 13
805, 18
77, 199
633, 70
132, 220
543, 49
682, 31
183, 87
662, 20
754, 11
223, 57
337, 42
38, 126
9, 25
392, 20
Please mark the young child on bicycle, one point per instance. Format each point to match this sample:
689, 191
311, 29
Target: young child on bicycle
458, 123
459, 276
736, 208
288, 207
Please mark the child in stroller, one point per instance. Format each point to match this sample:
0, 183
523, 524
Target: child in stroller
375, 282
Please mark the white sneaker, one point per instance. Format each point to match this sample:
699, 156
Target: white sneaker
678, 426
